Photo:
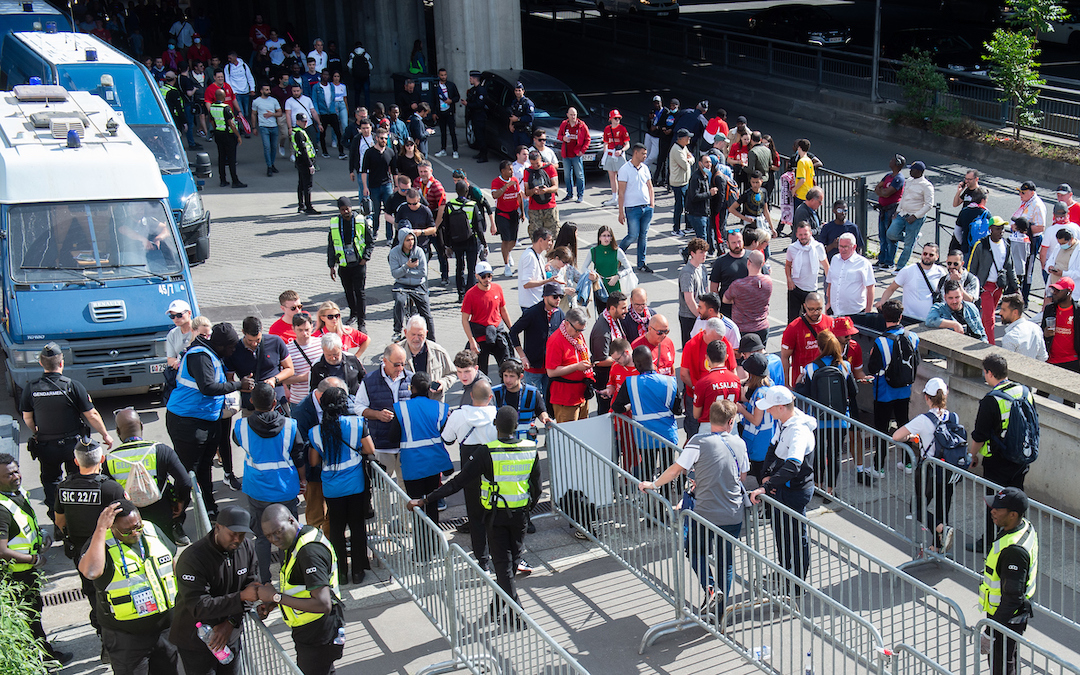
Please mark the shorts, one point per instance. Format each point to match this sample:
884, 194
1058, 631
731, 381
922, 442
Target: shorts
546, 218
612, 162
507, 225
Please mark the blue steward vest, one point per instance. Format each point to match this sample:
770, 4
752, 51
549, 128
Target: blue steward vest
526, 404
385, 435
186, 400
651, 398
422, 451
269, 472
345, 475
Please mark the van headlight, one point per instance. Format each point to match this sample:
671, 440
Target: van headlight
193, 209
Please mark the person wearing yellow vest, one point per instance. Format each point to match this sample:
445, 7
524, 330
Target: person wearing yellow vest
348, 249
130, 562
304, 150
309, 598
509, 485
226, 137
23, 547
1012, 567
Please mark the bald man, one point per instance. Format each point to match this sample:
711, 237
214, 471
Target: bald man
379, 391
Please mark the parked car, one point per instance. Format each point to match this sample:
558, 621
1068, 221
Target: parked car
1065, 32
550, 98
661, 8
804, 24
947, 49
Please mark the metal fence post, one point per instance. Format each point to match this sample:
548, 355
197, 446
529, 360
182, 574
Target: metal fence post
769, 57
861, 211
820, 67
937, 227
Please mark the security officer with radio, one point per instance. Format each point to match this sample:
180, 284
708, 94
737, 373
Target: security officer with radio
226, 137
509, 485
476, 113
309, 598
23, 547
521, 117
1009, 575
525, 398
164, 468
304, 150
57, 410
130, 562
174, 100
348, 249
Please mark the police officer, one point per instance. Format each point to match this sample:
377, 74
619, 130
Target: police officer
273, 464
510, 485
476, 112
193, 412
164, 468
521, 117
79, 501
304, 150
1012, 567
226, 137
57, 409
216, 581
130, 563
23, 547
423, 456
309, 597
348, 249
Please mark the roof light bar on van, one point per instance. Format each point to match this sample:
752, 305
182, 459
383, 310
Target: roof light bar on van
40, 93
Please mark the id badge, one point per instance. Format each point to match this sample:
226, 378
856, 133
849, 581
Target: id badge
143, 599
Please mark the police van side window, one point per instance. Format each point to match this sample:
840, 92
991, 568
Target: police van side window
498, 93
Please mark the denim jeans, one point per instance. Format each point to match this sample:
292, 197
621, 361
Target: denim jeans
908, 232
700, 544
637, 230
574, 169
189, 117
244, 101
698, 223
379, 196
269, 136
888, 248
538, 380
680, 205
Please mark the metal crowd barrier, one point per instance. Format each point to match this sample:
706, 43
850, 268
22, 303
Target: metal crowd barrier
1030, 658
456, 595
1057, 591
262, 653
906, 660
202, 519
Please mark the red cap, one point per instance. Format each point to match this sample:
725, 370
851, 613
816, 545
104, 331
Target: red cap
1064, 284
843, 326
614, 113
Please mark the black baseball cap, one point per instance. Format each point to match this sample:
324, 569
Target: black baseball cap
235, 518
1027, 185
1010, 498
51, 349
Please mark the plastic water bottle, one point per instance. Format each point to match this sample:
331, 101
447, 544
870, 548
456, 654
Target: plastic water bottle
808, 669
763, 654
340, 639
223, 655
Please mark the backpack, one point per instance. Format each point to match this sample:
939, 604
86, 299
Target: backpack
539, 178
979, 228
904, 360
1020, 444
459, 227
950, 440
828, 387
359, 66
140, 486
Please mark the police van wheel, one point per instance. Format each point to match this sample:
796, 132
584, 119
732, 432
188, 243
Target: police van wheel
470, 135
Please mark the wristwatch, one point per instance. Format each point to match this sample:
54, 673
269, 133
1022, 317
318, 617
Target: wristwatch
276, 598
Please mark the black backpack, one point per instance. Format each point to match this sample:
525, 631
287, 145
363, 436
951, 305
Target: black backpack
950, 440
904, 360
361, 69
828, 387
539, 178
459, 227
1020, 444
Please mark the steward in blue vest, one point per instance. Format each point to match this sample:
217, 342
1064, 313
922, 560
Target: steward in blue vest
650, 398
273, 464
524, 398
423, 456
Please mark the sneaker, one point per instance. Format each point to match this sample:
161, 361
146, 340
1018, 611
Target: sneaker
864, 478
524, 568
441, 153
179, 537
233, 482
676, 232
507, 270
579, 199
238, 184
463, 527
442, 504
611, 202
273, 169
877, 473
310, 211
645, 268
947, 535
326, 154
712, 599
269, 172
456, 155
905, 467
578, 534
342, 156
61, 657
530, 528
567, 198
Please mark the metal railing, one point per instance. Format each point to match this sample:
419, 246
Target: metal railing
202, 519
1030, 658
262, 653
906, 660
486, 629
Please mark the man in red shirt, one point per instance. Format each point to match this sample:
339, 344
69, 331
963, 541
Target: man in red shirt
1065, 194
220, 83
574, 136
657, 340
718, 383
693, 366
509, 210
259, 33
541, 187
798, 344
433, 192
482, 310
1060, 326
568, 365
622, 368
290, 305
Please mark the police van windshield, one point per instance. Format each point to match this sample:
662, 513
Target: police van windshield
164, 142
97, 241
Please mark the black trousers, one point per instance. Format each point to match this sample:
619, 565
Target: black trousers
195, 442
331, 121
465, 266
421, 487
224, 448
830, 446
686, 324
303, 187
55, 458
31, 583
475, 510
354, 283
349, 511
201, 661
479, 123
76, 544
226, 153
448, 123
317, 659
932, 482
1002, 654
487, 350
1005, 474
792, 538
795, 300
135, 654
885, 412
505, 534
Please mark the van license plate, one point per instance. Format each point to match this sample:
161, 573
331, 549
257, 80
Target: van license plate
157, 368
589, 158
661, 14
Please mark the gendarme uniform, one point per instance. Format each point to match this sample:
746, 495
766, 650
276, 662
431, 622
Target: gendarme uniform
309, 565
136, 593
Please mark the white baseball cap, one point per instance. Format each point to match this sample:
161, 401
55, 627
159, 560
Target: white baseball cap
774, 396
178, 307
934, 385
483, 267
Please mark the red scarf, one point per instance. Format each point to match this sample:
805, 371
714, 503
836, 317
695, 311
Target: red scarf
642, 320
578, 343
616, 328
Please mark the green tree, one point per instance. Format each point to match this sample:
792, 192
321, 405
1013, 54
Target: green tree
1013, 66
22, 654
922, 83
1037, 16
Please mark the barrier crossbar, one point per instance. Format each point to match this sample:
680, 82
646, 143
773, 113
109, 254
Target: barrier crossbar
906, 660
202, 519
262, 654
1030, 658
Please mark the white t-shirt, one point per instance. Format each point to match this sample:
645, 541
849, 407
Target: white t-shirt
340, 91
636, 179
918, 297
264, 105
530, 268
848, 280
298, 391
295, 105
320, 60
274, 47
999, 249
519, 171
805, 261
177, 341
923, 427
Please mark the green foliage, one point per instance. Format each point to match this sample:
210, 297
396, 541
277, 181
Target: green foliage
922, 83
1013, 66
1035, 16
22, 654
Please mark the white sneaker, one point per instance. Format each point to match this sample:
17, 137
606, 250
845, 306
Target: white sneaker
441, 153
510, 259
281, 152
456, 155
611, 202
507, 270
906, 468
333, 143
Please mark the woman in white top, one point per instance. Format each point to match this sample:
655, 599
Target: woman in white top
920, 430
341, 99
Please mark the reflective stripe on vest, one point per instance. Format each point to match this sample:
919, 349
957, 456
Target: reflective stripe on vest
295, 617
28, 540
249, 442
270, 474
140, 587
186, 400
346, 476
511, 470
359, 225
990, 589
638, 410
411, 441
127, 455
308, 149
217, 113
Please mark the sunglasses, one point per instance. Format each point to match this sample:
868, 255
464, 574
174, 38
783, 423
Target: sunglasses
332, 316
133, 530
296, 308
486, 275
952, 264
663, 332
174, 315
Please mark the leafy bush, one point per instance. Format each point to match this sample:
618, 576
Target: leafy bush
923, 84
22, 653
